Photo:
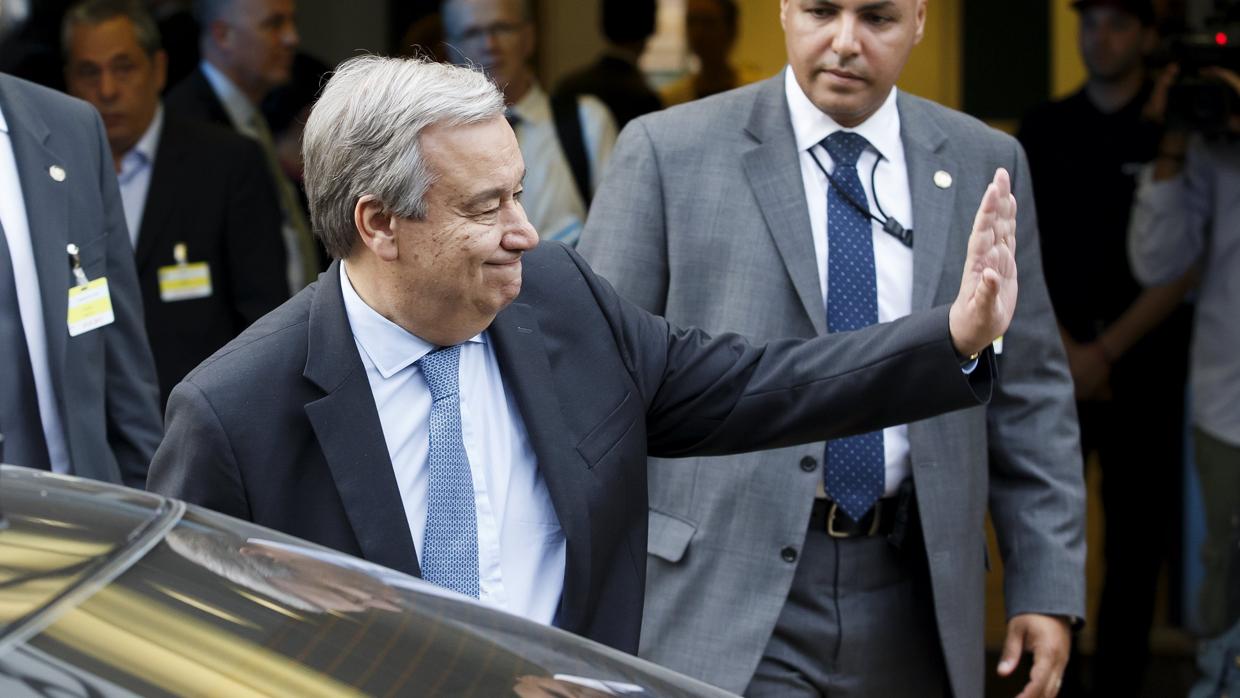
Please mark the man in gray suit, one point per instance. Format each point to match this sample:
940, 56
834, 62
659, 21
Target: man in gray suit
721, 214
78, 393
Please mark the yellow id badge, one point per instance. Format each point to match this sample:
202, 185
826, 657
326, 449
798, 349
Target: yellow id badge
182, 282
90, 307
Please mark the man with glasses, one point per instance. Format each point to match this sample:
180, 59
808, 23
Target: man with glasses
565, 141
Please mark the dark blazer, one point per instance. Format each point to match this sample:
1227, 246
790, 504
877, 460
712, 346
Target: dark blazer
105, 378
280, 427
209, 190
617, 83
193, 98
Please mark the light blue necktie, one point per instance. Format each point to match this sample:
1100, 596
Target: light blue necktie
450, 545
855, 465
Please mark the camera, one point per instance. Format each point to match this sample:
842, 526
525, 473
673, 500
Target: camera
1198, 102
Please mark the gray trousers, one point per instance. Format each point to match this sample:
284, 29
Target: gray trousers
859, 621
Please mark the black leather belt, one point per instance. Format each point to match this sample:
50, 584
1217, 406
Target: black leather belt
878, 521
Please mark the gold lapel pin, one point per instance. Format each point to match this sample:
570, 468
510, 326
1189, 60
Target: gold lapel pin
57, 172
942, 179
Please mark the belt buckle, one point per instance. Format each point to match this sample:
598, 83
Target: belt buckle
878, 513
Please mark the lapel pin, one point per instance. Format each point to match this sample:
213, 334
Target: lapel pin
57, 172
942, 179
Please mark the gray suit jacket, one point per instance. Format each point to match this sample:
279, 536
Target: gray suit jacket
702, 217
104, 379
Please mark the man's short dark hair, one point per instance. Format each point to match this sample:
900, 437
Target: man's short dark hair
95, 12
628, 21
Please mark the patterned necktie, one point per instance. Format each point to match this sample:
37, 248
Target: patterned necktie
450, 546
854, 465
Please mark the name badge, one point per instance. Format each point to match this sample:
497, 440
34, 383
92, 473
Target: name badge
184, 281
90, 307
998, 345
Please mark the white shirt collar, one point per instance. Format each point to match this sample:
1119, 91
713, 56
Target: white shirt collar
238, 106
810, 125
4, 125
535, 106
389, 346
143, 152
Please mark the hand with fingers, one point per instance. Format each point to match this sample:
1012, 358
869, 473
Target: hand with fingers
1048, 638
983, 309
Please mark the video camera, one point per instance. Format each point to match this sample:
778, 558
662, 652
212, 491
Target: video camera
1197, 101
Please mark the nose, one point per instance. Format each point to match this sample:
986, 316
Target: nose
107, 86
291, 38
519, 233
844, 44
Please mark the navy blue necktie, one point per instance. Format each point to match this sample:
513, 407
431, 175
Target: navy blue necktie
450, 543
855, 465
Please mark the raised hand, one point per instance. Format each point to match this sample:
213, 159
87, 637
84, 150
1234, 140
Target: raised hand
983, 309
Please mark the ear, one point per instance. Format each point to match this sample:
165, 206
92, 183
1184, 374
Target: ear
218, 32
920, 18
160, 60
374, 228
783, 14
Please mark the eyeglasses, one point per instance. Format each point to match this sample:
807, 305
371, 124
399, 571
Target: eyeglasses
498, 30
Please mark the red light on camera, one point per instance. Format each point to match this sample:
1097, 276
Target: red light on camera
1220, 39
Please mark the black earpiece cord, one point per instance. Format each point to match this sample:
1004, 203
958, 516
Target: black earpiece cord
890, 225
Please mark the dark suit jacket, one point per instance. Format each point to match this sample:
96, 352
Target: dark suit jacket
193, 98
280, 427
105, 378
617, 83
209, 190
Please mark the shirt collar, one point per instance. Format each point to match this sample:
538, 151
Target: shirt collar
810, 125
534, 106
389, 346
4, 125
143, 152
238, 106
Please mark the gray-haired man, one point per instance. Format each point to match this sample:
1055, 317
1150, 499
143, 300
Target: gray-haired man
451, 402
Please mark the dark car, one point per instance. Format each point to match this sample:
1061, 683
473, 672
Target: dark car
109, 591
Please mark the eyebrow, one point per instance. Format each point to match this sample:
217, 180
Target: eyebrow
869, 7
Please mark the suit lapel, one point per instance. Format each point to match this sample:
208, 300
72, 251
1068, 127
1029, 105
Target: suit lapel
47, 214
526, 371
933, 205
160, 196
781, 194
346, 422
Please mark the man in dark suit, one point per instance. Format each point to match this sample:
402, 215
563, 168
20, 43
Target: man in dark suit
720, 214
202, 216
450, 402
615, 77
248, 48
78, 393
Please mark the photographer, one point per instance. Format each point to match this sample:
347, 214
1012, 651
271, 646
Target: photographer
1187, 216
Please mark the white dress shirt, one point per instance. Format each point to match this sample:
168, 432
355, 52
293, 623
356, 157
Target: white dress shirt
521, 546
135, 175
30, 299
893, 261
551, 200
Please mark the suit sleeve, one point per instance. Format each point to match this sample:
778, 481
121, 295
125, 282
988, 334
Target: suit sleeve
625, 235
707, 395
255, 248
196, 461
1037, 490
131, 388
